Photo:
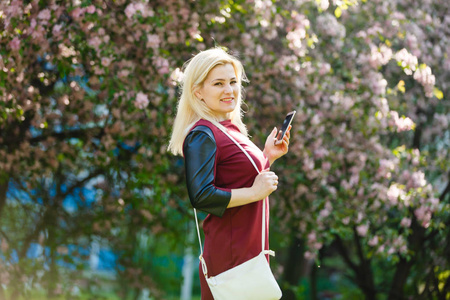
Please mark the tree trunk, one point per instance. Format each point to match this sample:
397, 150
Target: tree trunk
364, 271
3, 189
293, 267
313, 282
415, 242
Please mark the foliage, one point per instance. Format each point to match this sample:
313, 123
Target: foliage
88, 91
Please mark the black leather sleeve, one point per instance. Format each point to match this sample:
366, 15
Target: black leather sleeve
199, 153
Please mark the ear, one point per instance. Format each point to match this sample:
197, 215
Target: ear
198, 94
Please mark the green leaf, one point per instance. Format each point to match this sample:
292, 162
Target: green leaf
438, 93
401, 86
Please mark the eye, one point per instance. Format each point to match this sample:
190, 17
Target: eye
233, 82
218, 83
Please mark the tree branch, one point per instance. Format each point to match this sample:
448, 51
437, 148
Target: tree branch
445, 191
79, 133
5, 236
81, 182
344, 253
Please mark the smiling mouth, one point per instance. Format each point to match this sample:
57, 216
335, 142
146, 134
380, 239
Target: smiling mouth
227, 99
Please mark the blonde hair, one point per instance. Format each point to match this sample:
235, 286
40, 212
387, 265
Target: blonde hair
190, 108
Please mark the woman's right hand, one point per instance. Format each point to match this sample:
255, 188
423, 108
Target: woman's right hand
265, 184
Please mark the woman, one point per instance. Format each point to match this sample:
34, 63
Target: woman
220, 178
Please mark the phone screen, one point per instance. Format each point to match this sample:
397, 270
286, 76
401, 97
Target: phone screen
287, 121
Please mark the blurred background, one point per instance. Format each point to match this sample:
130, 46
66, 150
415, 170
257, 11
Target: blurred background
92, 206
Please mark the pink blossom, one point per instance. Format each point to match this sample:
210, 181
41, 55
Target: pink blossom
259, 51
324, 213
133, 8
320, 153
405, 222
328, 25
14, 9
391, 251
403, 123
144, 9
434, 203
312, 237
379, 56
123, 73
381, 249
326, 166
324, 68
78, 12
425, 77
153, 41
95, 42
162, 65
57, 29
362, 229
44, 15
323, 4
176, 76
297, 33
90, 9
246, 40
106, 61
309, 255
376, 83
373, 241
15, 44
33, 23
441, 121
317, 245
308, 164
386, 166
393, 193
416, 180
423, 215
141, 101
130, 10
38, 35
407, 61
403, 249
354, 179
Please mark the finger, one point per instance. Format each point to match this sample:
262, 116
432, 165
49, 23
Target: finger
279, 134
288, 132
274, 131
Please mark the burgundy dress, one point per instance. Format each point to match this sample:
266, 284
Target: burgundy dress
235, 236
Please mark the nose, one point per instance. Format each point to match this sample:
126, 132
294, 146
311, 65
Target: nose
228, 89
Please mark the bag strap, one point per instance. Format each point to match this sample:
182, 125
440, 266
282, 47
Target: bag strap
263, 231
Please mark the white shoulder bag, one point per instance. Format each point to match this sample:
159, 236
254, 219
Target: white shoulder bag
251, 280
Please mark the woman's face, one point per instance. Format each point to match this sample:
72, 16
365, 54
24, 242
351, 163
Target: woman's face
220, 91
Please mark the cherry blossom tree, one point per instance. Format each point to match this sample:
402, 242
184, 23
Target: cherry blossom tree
88, 91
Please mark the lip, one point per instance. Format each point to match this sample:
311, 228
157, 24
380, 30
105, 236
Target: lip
227, 99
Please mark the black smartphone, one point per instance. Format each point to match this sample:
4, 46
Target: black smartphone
287, 121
